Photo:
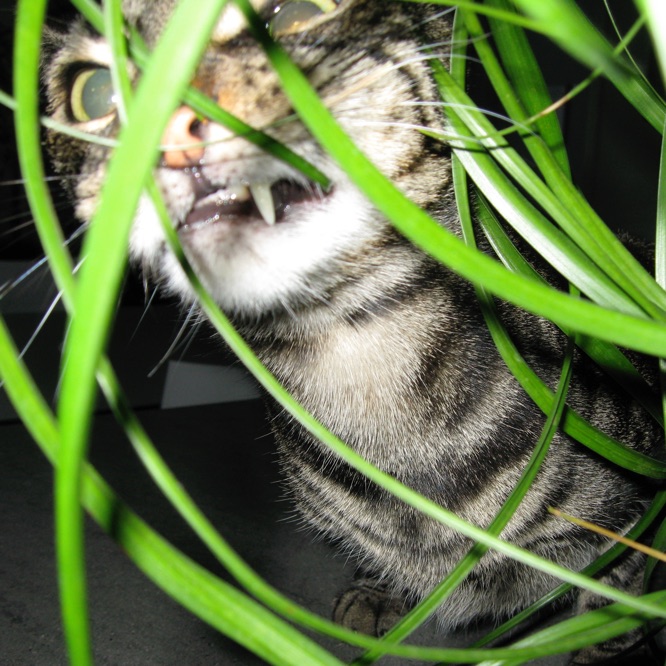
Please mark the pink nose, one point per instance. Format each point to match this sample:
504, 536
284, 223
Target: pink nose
180, 138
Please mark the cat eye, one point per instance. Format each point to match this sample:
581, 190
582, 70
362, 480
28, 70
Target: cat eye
294, 16
92, 95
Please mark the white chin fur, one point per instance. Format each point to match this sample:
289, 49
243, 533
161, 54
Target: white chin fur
255, 269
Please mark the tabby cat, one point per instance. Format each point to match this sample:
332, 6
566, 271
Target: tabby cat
385, 346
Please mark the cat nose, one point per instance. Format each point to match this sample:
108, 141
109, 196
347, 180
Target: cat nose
180, 137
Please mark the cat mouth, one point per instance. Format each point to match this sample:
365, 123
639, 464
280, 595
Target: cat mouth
252, 203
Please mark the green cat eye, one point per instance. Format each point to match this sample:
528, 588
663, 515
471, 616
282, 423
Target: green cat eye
92, 95
294, 16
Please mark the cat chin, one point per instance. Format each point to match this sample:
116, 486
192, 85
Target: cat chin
251, 268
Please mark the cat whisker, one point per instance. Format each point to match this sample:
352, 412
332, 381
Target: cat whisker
11, 285
174, 345
487, 112
438, 133
146, 308
24, 214
49, 311
22, 181
436, 17
41, 324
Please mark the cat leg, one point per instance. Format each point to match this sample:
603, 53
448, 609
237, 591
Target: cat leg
627, 575
369, 607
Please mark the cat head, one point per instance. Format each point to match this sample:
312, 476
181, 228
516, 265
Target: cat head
261, 236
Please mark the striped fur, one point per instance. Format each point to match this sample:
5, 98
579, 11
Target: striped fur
386, 347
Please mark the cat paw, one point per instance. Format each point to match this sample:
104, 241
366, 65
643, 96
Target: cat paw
368, 608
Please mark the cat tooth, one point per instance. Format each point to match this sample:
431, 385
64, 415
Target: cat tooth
261, 193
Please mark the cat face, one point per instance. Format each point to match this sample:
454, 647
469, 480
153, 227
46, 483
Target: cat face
263, 238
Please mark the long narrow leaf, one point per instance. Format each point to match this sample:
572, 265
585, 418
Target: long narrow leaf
427, 607
565, 23
565, 205
106, 246
656, 17
211, 599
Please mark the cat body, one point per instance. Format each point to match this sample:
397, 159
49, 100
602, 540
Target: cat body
386, 347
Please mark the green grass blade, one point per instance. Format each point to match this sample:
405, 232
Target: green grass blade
607, 356
92, 13
656, 18
25, 395
101, 274
209, 598
643, 335
41, 427
114, 30
565, 23
602, 562
28, 28
660, 251
428, 606
522, 90
563, 203
487, 10
602, 624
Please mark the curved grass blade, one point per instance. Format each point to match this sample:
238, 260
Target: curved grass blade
63, 275
634, 333
522, 90
656, 18
660, 247
653, 512
212, 600
490, 11
28, 28
428, 606
563, 203
623, 40
603, 624
565, 23
101, 274
607, 356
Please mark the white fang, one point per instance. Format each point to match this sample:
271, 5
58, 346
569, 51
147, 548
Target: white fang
261, 193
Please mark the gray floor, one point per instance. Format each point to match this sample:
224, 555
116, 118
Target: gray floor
225, 458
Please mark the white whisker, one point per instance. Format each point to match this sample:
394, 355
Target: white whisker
40, 263
174, 345
41, 324
146, 308
22, 181
486, 112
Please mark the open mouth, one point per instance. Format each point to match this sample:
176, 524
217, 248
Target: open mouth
242, 204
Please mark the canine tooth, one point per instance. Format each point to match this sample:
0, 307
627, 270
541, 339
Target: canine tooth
261, 192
